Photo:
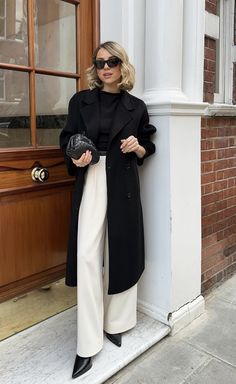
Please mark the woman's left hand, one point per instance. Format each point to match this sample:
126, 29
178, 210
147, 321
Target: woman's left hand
131, 144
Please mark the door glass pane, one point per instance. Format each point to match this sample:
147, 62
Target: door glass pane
14, 109
55, 35
52, 98
13, 32
2, 8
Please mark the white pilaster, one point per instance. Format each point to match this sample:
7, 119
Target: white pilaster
193, 48
170, 289
163, 51
166, 45
124, 21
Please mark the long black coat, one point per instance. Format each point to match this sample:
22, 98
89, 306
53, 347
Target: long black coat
124, 211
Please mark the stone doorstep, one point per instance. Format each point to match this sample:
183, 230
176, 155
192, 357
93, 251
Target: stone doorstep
45, 353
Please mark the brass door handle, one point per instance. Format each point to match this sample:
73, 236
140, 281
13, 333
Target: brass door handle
40, 174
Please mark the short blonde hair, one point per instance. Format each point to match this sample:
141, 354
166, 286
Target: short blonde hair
127, 69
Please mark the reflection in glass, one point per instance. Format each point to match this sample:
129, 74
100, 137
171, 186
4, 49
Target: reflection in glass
14, 109
13, 32
52, 97
55, 35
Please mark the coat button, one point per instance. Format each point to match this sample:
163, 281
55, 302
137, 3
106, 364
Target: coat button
129, 195
127, 167
109, 167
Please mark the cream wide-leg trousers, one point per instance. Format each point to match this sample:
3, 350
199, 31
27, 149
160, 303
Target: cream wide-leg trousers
97, 311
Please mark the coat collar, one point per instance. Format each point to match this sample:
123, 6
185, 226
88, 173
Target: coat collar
93, 96
90, 114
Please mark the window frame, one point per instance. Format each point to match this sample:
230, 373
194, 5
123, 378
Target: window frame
2, 79
3, 18
87, 38
227, 53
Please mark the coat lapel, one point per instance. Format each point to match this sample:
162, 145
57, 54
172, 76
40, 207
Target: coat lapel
122, 116
90, 114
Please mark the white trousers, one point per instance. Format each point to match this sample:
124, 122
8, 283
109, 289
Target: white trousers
98, 311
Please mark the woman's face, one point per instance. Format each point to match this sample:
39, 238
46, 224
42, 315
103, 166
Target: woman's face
110, 77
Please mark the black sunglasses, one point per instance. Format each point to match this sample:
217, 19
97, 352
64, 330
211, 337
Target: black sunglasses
112, 62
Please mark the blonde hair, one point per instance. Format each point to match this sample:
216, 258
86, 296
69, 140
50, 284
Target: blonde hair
127, 69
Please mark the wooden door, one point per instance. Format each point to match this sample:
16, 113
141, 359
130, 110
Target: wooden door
45, 47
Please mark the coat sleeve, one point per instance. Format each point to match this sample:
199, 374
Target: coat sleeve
145, 130
70, 129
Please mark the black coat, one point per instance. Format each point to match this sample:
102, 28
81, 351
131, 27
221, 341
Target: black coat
124, 211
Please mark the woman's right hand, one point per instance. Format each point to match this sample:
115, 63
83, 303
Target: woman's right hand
84, 160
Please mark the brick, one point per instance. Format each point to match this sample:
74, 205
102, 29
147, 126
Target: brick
206, 286
227, 130
229, 231
209, 209
219, 175
225, 225
221, 143
230, 152
207, 144
208, 155
228, 173
231, 201
222, 204
209, 87
208, 132
211, 7
208, 178
210, 43
204, 122
212, 197
220, 226
207, 188
210, 260
209, 76
221, 153
229, 212
209, 220
219, 122
207, 167
208, 97
220, 185
211, 65
232, 141
220, 235
207, 230
220, 164
231, 182
228, 251
229, 192
210, 53
209, 240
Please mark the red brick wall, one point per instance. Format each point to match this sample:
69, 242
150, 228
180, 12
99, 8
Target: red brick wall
218, 199
209, 69
234, 85
218, 179
211, 6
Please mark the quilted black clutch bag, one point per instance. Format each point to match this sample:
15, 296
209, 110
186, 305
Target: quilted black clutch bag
78, 144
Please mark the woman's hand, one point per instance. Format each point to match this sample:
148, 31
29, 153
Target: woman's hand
131, 144
84, 160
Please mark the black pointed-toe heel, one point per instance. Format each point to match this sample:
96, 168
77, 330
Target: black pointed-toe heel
114, 338
82, 365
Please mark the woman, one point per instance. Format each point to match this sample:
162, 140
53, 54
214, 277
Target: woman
108, 258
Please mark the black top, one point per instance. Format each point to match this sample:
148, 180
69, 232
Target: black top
108, 104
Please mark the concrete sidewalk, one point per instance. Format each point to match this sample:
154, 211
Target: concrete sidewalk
203, 353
